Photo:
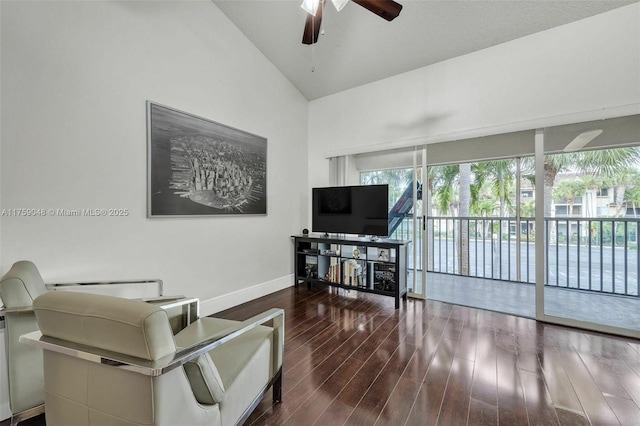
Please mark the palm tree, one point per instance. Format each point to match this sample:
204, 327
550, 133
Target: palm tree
443, 187
445, 180
484, 208
621, 179
501, 175
599, 163
554, 164
632, 195
569, 189
617, 166
528, 209
605, 162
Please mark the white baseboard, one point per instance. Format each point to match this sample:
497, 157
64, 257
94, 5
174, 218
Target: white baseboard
235, 298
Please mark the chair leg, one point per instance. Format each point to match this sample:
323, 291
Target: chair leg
277, 387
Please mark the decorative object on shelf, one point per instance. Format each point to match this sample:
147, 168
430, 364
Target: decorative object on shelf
351, 272
356, 253
383, 255
384, 277
197, 167
305, 231
311, 267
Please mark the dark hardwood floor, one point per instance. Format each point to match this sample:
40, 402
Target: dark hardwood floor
351, 358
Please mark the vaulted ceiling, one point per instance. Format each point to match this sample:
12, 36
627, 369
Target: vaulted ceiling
358, 47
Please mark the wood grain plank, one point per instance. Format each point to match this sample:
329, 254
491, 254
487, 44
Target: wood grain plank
311, 410
485, 385
603, 376
540, 409
627, 411
377, 337
454, 410
560, 388
426, 407
482, 414
511, 403
570, 418
590, 397
399, 403
335, 415
376, 396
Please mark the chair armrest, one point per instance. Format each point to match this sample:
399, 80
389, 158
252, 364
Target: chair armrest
26, 310
18, 310
163, 365
53, 286
189, 306
227, 334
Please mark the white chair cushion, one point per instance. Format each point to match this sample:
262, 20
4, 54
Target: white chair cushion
234, 373
21, 284
111, 323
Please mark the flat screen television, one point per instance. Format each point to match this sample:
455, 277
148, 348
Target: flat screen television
362, 210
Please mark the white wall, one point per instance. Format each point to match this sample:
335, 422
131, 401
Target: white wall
583, 66
75, 78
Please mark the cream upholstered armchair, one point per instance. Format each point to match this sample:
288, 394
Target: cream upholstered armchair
109, 360
18, 287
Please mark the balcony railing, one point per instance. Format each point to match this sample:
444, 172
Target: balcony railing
598, 255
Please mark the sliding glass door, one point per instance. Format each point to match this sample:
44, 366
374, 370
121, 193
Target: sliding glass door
481, 235
591, 214
405, 216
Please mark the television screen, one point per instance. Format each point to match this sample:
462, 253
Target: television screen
362, 210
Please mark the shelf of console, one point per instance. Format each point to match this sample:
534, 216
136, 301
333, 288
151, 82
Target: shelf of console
353, 263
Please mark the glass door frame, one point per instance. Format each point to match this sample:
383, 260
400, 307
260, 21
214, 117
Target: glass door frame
541, 258
419, 227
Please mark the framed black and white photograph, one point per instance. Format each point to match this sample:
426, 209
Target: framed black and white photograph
197, 167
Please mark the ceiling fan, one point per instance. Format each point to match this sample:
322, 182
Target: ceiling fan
387, 9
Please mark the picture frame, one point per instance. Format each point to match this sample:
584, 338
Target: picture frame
199, 167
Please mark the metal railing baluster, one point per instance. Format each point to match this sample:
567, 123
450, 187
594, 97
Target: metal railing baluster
578, 250
626, 269
528, 232
568, 239
598, 260
509, 249
589, 245
613, 256
546, 251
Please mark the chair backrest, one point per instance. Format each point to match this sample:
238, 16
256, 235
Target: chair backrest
21, 284
125, 326
18, 287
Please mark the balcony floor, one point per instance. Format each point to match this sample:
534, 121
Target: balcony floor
519, 299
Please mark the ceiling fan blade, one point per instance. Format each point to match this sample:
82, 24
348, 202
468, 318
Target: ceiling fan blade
387, 9
312, 26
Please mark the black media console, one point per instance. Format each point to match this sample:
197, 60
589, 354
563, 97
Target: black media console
361, 264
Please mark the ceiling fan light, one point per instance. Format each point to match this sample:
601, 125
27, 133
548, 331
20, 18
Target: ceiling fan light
310, 6
339, 4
